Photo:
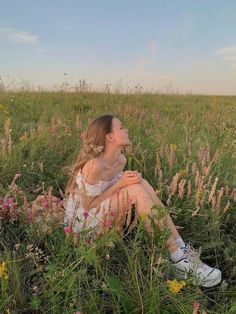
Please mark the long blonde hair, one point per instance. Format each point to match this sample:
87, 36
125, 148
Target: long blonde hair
93, 145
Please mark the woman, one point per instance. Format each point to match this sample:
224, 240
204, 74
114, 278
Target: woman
97, 179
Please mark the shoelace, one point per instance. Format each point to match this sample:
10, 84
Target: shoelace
191, 254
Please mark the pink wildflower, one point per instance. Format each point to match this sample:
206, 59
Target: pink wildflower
1, 200
45, 204
57, 200
196, 306
5, 205
108, 223
86, 213
67, 229
10, 200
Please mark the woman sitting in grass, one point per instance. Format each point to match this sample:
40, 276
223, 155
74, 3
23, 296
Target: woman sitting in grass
96, 194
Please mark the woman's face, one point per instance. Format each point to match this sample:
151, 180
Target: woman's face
119, 133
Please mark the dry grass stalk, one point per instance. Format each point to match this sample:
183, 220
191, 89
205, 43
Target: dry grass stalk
78, 123
194, 168
226, 208
233, 194
172, 155
6, 141
181, 188
197, 178
213, 201
212, 193
158, 162
214, 159
226, 190
199, 193
209, 180
219, 197
174, 183
189, 189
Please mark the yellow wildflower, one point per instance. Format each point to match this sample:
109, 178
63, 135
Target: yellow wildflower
173, 146
175, 286
183, 172
143, 215
3, 270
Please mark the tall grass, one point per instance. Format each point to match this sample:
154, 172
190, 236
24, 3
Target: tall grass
185, 146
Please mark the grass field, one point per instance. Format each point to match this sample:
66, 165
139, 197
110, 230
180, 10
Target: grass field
185, 146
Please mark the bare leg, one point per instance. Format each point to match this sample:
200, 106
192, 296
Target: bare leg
144, 204
157, 201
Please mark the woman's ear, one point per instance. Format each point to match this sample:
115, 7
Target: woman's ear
109, 137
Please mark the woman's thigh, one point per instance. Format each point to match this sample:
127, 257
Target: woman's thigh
133, 194
151, 192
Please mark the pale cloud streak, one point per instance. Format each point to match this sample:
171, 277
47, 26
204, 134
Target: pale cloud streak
18, 36
228, 54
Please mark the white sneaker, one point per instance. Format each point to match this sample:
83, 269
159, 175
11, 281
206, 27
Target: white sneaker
203, 274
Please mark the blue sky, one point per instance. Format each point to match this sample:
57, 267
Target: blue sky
180, 46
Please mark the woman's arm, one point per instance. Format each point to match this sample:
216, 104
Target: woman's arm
105, 194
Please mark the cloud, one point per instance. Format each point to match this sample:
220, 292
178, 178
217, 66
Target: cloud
18, 36
228, 54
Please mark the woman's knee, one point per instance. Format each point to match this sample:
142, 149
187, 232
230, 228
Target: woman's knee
128, 194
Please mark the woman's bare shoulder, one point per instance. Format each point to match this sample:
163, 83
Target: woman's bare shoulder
92, 170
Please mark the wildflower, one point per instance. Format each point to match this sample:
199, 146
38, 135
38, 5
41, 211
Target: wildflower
86, 213
175, 286
196, 306
67, 229
57, 200
143, 215
173, 146
183, 172
5, 205
10, 199
108, 223
1, 200
3, 270
15, 204
17, 245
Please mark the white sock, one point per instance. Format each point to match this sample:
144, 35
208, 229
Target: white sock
180, 242
177, 255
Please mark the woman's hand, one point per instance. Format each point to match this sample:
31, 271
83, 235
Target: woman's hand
128, 178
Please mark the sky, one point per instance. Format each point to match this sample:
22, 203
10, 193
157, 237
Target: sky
165, 46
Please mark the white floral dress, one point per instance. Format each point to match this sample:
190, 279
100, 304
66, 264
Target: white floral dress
76, 213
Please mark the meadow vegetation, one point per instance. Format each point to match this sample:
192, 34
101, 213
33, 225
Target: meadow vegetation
184, 146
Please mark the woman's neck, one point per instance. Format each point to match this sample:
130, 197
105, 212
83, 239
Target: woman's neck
111, 156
